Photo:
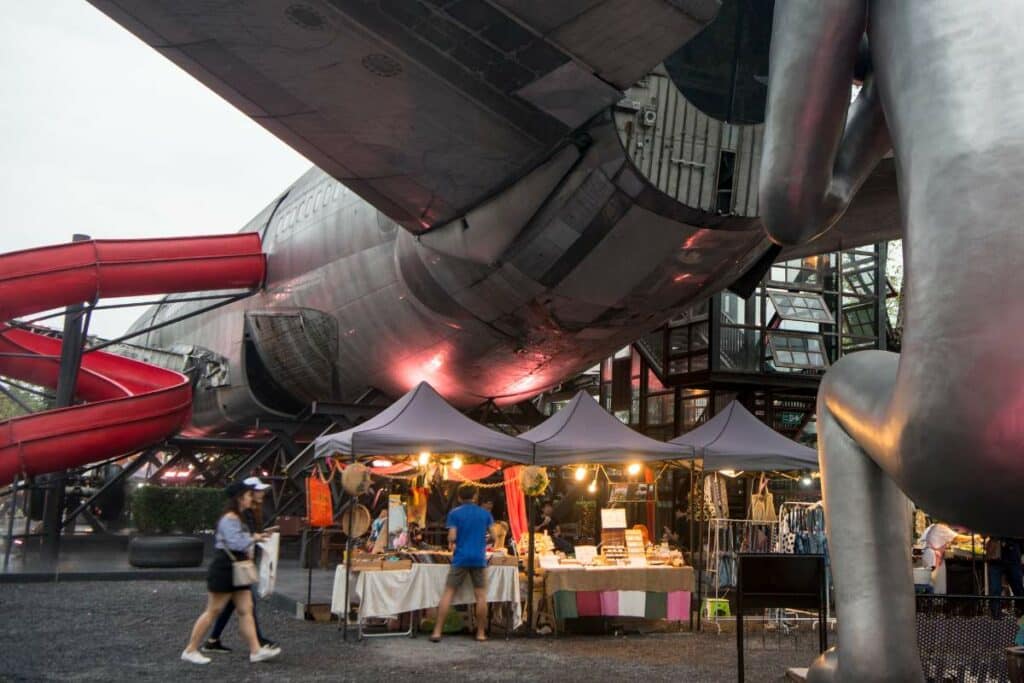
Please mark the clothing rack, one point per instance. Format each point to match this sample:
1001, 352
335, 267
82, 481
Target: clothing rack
807, 522
727, 537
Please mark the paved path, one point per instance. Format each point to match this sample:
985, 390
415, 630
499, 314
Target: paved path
119, 631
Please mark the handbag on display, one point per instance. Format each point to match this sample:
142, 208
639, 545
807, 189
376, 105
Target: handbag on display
318, 501
762, 503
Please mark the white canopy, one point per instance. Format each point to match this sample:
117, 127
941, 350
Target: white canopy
583, 432
423, 421
736, 440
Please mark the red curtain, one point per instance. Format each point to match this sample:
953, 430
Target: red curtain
515, 501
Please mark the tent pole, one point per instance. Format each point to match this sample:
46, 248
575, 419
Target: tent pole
703, 559
348, 562
529, 568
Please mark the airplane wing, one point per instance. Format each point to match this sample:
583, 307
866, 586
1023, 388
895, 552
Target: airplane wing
422, 107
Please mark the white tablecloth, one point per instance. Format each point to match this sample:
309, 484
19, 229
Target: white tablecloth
388, 593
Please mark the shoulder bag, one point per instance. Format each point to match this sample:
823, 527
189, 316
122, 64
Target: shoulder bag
243, 572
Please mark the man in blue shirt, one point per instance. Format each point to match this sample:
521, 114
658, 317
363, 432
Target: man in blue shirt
468, 525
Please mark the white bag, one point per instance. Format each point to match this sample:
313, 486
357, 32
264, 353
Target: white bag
268, 564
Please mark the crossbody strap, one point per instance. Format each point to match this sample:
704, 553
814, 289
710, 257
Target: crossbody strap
226, 549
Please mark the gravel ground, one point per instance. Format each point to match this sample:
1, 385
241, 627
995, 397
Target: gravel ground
136, 630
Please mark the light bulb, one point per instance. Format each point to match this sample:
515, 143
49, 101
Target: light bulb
381, 462
457, 462
633, 469
806, 480
581, 473
592, 488
424, 458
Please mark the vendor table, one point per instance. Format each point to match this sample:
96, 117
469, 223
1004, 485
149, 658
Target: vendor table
646, 592
393, 592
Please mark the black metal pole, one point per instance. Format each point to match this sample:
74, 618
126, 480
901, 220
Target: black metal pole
70, 360
10, 522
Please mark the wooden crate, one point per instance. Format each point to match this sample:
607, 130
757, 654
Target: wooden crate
395, 565
366, 563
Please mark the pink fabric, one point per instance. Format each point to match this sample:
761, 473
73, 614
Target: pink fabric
515, 502
588, 603
678, 606
610, 603
470, 472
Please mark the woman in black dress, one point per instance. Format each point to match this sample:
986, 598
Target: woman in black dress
234, 537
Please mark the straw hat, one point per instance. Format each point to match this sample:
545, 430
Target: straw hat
356, 479
360, 522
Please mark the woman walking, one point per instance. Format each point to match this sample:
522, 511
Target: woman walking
233, 542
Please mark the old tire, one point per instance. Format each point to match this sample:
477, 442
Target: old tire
165, 551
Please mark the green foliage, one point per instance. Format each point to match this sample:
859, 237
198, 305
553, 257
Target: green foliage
9, 408
168, 509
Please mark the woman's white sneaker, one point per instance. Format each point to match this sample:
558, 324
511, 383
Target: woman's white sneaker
264, 653
195, 657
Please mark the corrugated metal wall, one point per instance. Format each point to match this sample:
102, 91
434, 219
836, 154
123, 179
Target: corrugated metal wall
678, 147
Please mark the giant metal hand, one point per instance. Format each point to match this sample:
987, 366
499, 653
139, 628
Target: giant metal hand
943, 423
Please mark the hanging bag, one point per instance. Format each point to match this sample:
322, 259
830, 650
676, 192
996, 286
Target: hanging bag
319, 505
762, 503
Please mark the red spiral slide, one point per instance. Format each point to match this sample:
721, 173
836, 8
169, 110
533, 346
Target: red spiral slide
129, 404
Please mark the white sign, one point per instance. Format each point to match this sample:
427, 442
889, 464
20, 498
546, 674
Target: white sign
613, 518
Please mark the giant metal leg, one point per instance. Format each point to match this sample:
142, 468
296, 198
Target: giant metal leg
868, 523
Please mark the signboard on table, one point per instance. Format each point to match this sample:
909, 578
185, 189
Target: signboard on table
613, 518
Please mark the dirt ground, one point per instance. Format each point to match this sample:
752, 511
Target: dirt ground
97, 631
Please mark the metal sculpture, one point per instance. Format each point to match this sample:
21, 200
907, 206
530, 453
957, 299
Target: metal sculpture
944, 422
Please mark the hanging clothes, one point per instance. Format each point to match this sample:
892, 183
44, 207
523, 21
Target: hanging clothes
716, 496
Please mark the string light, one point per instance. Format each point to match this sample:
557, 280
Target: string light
457, 462
592, 488
806, 480
424, 458
633, 469
581, 473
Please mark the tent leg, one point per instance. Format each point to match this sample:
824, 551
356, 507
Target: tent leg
348, 563
529, 569
703, 560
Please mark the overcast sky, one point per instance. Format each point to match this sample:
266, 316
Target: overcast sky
100, 134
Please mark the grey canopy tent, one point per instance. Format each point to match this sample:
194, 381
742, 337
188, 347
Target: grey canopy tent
423, 421
736, 440
583, 432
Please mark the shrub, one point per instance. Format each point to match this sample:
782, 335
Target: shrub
162, 510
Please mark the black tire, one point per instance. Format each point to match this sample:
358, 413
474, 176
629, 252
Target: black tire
165, 551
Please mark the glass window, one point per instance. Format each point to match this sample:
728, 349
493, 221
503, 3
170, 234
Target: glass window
805, 307
860, 282
804, 351
859, 321
661, 409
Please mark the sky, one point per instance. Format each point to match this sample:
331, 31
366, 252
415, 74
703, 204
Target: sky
100, 134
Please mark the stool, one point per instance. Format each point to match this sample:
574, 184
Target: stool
715, 607
331, 540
